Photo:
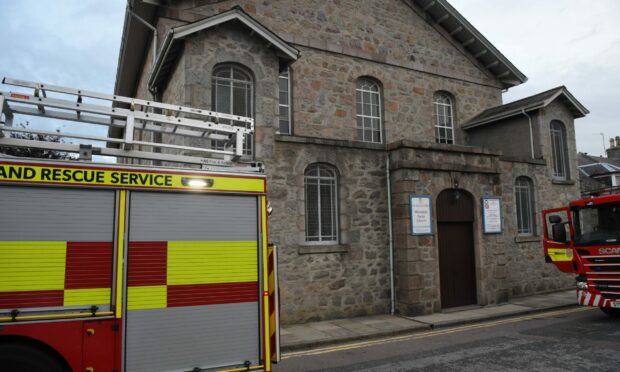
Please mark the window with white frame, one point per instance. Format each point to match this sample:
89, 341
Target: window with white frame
558, 150
233, 93
284, 83
524, 200
444, 118
369, 122
321, 184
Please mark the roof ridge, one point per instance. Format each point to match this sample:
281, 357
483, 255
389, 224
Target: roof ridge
562, 87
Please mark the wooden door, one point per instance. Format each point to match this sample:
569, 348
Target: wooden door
457, 266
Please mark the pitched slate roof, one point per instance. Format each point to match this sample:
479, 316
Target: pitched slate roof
175, 36
531, 103
481, 49
597, 165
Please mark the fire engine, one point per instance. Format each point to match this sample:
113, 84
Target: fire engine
584, 239
119, 267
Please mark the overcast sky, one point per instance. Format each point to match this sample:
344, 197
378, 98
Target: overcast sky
575, 43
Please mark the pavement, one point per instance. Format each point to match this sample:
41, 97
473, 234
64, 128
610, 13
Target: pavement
329, 332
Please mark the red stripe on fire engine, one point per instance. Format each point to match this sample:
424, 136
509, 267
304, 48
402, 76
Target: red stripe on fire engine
147, 263
89, 265
212, 294
25, 299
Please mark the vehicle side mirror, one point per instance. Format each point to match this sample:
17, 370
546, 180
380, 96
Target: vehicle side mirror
555, 219
558, 231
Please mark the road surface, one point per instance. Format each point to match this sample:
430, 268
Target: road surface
575, 339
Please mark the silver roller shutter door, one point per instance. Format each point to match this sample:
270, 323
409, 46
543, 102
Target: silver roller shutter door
168, 337
46, 234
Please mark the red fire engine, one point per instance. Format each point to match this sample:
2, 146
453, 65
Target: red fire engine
108, 267
584, 239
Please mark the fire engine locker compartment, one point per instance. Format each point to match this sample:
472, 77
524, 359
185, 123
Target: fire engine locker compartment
192, 295
56, 249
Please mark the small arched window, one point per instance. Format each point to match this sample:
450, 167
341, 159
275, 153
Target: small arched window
321, 183
233, 93
559, 150
525, 206
444, 118
369, 121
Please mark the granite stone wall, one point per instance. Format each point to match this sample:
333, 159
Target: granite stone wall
411, 60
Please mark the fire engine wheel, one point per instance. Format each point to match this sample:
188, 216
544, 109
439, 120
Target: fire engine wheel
24, 358
614, 313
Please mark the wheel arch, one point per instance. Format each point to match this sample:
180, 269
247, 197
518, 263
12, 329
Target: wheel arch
35, 344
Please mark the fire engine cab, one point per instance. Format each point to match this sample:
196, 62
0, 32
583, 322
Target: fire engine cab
584, 239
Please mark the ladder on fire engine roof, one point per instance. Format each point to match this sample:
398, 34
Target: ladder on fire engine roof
176, 124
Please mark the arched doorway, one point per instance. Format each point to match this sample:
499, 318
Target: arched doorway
455, 233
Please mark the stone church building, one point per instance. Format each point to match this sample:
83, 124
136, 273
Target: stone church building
364, 108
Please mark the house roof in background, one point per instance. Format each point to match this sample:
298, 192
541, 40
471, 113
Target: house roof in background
593, 166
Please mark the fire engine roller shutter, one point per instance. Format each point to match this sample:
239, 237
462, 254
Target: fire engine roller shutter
56, 248
192, 281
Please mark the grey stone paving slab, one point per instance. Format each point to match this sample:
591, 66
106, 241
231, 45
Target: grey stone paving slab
341, 330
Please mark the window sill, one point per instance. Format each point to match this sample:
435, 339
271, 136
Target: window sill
527, 239
315, 249
563, 182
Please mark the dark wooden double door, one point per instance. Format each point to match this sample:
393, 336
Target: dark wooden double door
457, 266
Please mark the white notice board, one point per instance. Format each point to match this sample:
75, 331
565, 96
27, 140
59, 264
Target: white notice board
421, 214
492, 215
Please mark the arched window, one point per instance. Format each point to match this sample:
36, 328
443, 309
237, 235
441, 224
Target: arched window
233, 93
369, 122
559, 150
321, 183
526, 211
444, 118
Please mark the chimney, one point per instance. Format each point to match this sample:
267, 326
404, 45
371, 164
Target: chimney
613, 151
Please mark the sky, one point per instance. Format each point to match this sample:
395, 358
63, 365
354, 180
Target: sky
75, 43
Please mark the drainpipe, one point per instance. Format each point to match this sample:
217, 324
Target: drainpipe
389, 195
529, 118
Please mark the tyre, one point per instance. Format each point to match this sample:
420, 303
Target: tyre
25, 358
614, 313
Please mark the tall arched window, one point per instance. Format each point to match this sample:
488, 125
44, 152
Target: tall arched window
559, 150
369, 121
444, 118
321, 183
233, 93
526, 210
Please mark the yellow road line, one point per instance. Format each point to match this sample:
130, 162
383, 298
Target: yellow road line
440, 332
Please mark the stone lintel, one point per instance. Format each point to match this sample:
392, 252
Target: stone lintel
563, 182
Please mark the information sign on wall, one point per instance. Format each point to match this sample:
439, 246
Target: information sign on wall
421, 214
491, 215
